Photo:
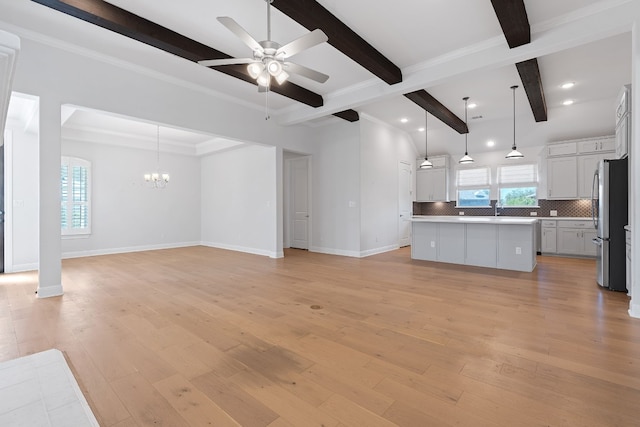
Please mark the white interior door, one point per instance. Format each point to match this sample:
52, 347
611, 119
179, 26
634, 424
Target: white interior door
300, 203
405, 204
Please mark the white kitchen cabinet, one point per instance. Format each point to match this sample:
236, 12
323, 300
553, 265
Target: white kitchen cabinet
452, 243
562, 149
587, 165
424, 241
432, 185
575, 238
562, 178
627, 233
548, 243
597, 145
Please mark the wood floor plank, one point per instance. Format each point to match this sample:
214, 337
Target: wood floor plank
314, 338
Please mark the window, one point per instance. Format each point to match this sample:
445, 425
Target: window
474, 187
518, 185
75, 201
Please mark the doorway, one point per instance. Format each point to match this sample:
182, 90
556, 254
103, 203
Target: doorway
297, 201
405, 203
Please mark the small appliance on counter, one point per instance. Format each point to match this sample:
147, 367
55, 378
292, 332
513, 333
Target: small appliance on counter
609, 207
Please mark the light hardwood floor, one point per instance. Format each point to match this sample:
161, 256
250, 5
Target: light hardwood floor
206, 337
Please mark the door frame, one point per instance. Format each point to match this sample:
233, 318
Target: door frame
409, 165
288, 198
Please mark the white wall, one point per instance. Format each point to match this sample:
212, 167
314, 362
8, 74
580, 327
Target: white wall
382, 148
127, 215
239, 201
22, 240
335, 184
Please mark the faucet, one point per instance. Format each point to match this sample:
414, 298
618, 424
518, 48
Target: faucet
497, 208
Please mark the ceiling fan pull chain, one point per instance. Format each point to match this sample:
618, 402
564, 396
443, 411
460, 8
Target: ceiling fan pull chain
266, 104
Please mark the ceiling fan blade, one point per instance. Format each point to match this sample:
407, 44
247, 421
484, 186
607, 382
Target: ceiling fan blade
240, 32
225, 61
311, 39
305, 72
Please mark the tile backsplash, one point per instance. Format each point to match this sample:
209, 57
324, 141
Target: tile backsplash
565, 208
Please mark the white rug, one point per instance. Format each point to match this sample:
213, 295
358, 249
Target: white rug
40, 390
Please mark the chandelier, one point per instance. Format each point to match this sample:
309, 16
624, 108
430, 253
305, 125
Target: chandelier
157, 179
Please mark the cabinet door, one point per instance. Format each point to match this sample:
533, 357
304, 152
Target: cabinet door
563, 149
623, 136
451, 238
438, 178
608, 144
548, 243
570, 241
562, 177
431, 185
589, 247
424, 186
587, 165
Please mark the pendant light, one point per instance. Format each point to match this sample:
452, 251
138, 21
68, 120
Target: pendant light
514, 154
426, 164
466, 159
157, 179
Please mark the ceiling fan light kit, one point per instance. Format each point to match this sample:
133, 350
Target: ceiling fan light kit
269, 57
514, 154
466, 159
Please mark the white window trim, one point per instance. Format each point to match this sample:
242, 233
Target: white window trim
70, 162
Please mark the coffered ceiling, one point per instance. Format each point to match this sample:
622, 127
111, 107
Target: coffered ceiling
448, 49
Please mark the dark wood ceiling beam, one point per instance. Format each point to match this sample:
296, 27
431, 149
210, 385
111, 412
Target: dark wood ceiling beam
348, 115
118, 20
513, 19
433, 106
532, 82
311, 15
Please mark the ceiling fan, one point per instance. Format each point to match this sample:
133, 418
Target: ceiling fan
269, 58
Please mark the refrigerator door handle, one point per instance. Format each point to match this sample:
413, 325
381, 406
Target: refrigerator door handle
596, 241
595, 183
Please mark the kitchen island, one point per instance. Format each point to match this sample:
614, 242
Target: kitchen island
506, 243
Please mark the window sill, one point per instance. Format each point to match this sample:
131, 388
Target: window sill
473, 207
75, 236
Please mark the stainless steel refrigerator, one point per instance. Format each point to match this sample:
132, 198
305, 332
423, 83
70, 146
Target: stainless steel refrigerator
609, 206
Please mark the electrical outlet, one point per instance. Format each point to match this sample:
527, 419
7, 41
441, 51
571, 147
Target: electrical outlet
533, 213
433, 244
553, 213
518, 250
461, 213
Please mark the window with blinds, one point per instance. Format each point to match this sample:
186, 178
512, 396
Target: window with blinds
473, 187
518, 185
75, 201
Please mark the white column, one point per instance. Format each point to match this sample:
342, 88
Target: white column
279, 251
634, 168
50, 271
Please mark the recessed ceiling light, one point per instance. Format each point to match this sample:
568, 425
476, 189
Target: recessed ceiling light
472, 105
568, 85
568, 102
420, 129
491, 143
404, 120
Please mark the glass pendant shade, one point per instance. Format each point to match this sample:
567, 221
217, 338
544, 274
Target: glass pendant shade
514, 153
466, 159
254, 69
426, 164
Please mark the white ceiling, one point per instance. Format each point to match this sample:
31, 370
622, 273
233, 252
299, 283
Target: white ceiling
451, 48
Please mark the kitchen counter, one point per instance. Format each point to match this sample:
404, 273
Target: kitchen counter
506, 243
476, 219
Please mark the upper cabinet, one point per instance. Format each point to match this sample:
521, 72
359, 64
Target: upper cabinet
432, 185
571, 164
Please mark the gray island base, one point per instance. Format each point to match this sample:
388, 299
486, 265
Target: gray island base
506, 243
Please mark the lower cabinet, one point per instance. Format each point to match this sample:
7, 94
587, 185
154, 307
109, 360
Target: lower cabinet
548, 237
482, 246
451, 238
575, 238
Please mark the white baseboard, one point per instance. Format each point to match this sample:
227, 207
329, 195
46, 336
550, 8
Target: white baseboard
49, 291
380, 250
332, 251
353, 254
111, 251
20, 268
254, 251
634, 310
